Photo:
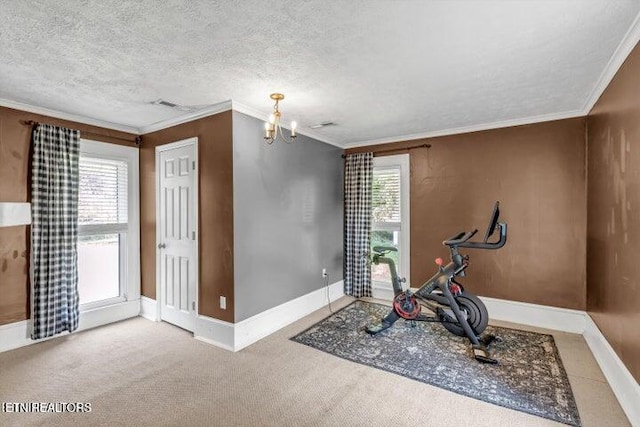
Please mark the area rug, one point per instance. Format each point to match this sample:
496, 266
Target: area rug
529, 376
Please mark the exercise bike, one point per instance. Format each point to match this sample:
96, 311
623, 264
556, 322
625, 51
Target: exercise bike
459, 311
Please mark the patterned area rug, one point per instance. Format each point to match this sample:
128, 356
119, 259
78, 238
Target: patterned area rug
529, 376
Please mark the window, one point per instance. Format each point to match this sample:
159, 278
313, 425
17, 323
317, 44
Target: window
107, 225
390, 216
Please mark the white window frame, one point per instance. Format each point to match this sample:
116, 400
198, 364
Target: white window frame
130, 257
384, 290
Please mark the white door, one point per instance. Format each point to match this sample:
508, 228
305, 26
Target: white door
177, 245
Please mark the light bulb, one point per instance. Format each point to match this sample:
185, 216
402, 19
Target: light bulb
272, 118
267, 128
294, 125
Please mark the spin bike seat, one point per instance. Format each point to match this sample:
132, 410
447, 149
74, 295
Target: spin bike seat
384, 249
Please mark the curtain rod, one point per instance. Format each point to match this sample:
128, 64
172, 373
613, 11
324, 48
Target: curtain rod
397, 149
137, 140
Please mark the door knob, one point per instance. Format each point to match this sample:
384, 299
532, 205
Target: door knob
161, 246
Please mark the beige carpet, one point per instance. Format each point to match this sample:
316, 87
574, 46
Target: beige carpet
143, 373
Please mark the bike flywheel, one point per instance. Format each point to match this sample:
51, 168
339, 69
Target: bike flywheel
407, 307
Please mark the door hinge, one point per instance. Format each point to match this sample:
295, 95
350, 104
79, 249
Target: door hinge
193, 165
193, 305
193, 235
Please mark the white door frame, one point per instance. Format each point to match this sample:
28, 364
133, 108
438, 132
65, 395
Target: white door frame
196, 248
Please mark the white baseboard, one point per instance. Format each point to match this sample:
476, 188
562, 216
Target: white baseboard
262, 324
236, 336
540, 316
15, 335
207, 329
625, 387
149, 309
215, 332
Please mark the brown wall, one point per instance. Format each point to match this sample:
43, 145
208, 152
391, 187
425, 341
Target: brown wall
15, 141
215, 157
613, 268
537, 172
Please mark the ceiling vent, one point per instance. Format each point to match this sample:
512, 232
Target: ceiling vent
322, 125
172, 105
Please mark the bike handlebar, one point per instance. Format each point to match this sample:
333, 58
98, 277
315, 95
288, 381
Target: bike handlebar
459, 238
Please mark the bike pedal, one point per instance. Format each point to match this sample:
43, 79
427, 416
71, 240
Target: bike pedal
482, 355
374, 329
487, 339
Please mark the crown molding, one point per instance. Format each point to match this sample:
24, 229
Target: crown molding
188, 117
468, 129
261, 115
249, 111
319, 137
66, 116
628, 42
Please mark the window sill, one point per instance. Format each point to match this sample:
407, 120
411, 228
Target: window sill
382, 291
102, 303
105, 314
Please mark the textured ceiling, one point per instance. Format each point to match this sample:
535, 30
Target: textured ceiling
376, 68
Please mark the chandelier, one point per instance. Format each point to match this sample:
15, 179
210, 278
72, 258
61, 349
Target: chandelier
272, 128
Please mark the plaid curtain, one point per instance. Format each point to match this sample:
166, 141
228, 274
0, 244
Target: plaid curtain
358, 176
54, 231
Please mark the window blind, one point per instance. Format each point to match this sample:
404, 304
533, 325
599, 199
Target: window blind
386, 195
102, 198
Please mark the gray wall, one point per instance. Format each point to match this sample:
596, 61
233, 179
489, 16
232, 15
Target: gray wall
287, 204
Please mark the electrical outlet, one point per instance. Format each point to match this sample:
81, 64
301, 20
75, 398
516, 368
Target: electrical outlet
324, 272
223, 302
